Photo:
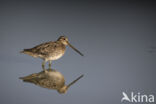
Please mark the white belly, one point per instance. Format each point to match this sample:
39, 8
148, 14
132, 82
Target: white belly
55, 57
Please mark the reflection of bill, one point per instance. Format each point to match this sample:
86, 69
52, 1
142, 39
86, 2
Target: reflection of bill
51, 79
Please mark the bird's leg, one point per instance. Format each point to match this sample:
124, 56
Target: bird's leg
43, 65
50, 64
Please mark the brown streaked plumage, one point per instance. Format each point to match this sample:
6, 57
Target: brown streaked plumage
51, 79
50, 50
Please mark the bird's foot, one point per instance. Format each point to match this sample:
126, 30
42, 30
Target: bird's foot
49, 64
43, 67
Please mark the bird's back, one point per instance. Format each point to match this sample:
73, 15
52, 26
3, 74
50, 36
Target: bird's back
46, 50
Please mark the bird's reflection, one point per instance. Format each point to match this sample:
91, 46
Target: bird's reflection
51, 79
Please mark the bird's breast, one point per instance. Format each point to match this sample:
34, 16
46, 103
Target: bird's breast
57, 53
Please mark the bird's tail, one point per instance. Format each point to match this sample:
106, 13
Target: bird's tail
30, 78
28, 52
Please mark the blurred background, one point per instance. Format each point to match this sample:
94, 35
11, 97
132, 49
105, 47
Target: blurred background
117, 38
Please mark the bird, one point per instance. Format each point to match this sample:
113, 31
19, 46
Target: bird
50, 79
49, 51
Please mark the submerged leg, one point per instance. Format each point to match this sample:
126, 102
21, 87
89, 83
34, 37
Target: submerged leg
50, 64
43, 65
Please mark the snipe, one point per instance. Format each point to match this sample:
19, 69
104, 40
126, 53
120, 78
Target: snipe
50, 50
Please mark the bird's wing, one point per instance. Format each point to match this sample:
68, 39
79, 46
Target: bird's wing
44, 48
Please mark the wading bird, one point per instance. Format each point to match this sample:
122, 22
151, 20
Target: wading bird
50, 51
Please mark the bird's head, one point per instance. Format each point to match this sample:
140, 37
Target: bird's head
63, 90
64, 40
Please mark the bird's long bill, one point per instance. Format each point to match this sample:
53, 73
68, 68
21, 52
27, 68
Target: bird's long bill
75, 49
74, 81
